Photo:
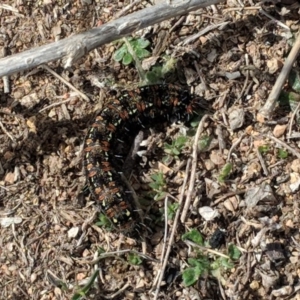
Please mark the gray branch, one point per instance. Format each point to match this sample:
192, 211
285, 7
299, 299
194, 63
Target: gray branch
76, 46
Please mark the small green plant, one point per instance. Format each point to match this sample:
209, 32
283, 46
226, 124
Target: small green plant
154, 75
172, 208
206, 263
134, 259
204, 142
219, 267
138, 45
222, 264
225, 172
81, 294
294, 80
290, 97
159, 72
194, 236
233, 252
158, 185
282, 153
176, 147
198, 266
104, 221
264, 149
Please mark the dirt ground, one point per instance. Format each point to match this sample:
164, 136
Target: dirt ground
52, 245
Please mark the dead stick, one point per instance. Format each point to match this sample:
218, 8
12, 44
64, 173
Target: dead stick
76, 46
193, 170
172, 235
269, 106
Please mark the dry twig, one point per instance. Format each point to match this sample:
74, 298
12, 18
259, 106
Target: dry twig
262, 162
6, 87
227, 195
234, 145
193, 171
274, 20
119, 292
65, 82
76, 46
172, 235
292, 121
6, 132
269, 106
206, 249
203, 32
285, 145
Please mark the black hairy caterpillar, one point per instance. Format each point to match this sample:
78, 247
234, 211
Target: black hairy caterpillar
117, 124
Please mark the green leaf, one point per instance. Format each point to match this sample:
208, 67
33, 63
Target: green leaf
190, 276
233, 252
105, 222
282, 153
154, 76
134, 259
294, 80
101, 250
176, 147
127, 59
218, 274
119, 54
160, 196
215, 264
168, 148
204, 142
226, 263
142, 43
293, 97
219, 266
198, 267
167, 160
137, 45
154, 185
82, 292
283, 98
201, 262
158, 185
290, 99
193, 262
175, 152
169, 65
172, 208
180, 141
142, 53
194, 236
225, 172
158, 178
263, 149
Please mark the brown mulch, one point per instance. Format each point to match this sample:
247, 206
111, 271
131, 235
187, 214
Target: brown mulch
50, 242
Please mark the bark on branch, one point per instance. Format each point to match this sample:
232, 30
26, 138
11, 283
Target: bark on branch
74, 47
